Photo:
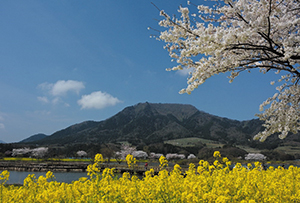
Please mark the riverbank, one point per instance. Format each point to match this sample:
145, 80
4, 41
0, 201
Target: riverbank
44, 166
62, 166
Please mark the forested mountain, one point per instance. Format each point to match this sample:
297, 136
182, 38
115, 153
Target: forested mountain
147, 123
34, 138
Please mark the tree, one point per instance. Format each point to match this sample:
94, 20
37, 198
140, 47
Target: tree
139, 154
39, 152
36, 152
81, 153
125, 150
255, 156
241, 35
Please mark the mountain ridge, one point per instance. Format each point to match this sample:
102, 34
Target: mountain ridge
146, 123
33, 138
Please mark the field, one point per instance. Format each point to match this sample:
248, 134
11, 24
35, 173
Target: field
204, 182
191, 141
49, 159
289, 149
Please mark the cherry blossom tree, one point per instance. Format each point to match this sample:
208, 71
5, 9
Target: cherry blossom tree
81, 153
125, 150
21, 151
191, 156
235, 36
139, 154
39, 152
155, 155
255, 156
175, 156
36, 152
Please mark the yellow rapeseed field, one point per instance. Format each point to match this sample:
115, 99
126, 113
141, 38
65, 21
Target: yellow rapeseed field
202, 183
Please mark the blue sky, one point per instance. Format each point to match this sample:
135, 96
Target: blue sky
67, 61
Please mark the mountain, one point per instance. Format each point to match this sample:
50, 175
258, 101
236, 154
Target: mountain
34, 138
147, 123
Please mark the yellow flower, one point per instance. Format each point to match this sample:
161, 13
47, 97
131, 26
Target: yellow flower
163, 162
249, 166
201, 162
217, 154
205, 164
216, 163
4, 176
49, 175
177, 167
130, 160
99, 158
208, 185
225, 159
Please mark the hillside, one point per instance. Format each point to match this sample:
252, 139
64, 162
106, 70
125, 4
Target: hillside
164, 128
147, 123
34, 138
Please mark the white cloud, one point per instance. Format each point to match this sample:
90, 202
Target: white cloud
97, 100
61, 87
43, 99
184, 72
55, 91
56, 100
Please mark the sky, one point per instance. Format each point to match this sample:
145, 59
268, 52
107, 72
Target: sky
63, 62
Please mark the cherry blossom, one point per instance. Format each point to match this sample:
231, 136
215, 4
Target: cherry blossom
241, 35
175, 156
36, 152
191, 156
81, 153
255, 156
39, 152
155, 155
140, 154
125, 150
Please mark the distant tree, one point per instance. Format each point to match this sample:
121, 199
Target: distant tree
155, 155
39, 152
125, 150
21, 152
277, 155
255, 156
236, 36
140, 154
81, 153
36, 152
107, 153
175, 156
191, 156
8, 153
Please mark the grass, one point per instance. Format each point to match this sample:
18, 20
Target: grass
20, 159
55, 159
192, 141
49, 159
289, 149
248, 149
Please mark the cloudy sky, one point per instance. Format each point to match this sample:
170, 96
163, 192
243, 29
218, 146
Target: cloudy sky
67, 61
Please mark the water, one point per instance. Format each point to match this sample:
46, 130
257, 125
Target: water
17, 177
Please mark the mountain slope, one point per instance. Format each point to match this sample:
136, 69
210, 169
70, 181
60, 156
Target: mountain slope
146, 123
34, 138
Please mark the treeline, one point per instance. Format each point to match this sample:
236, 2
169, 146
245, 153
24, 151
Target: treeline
201, 151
